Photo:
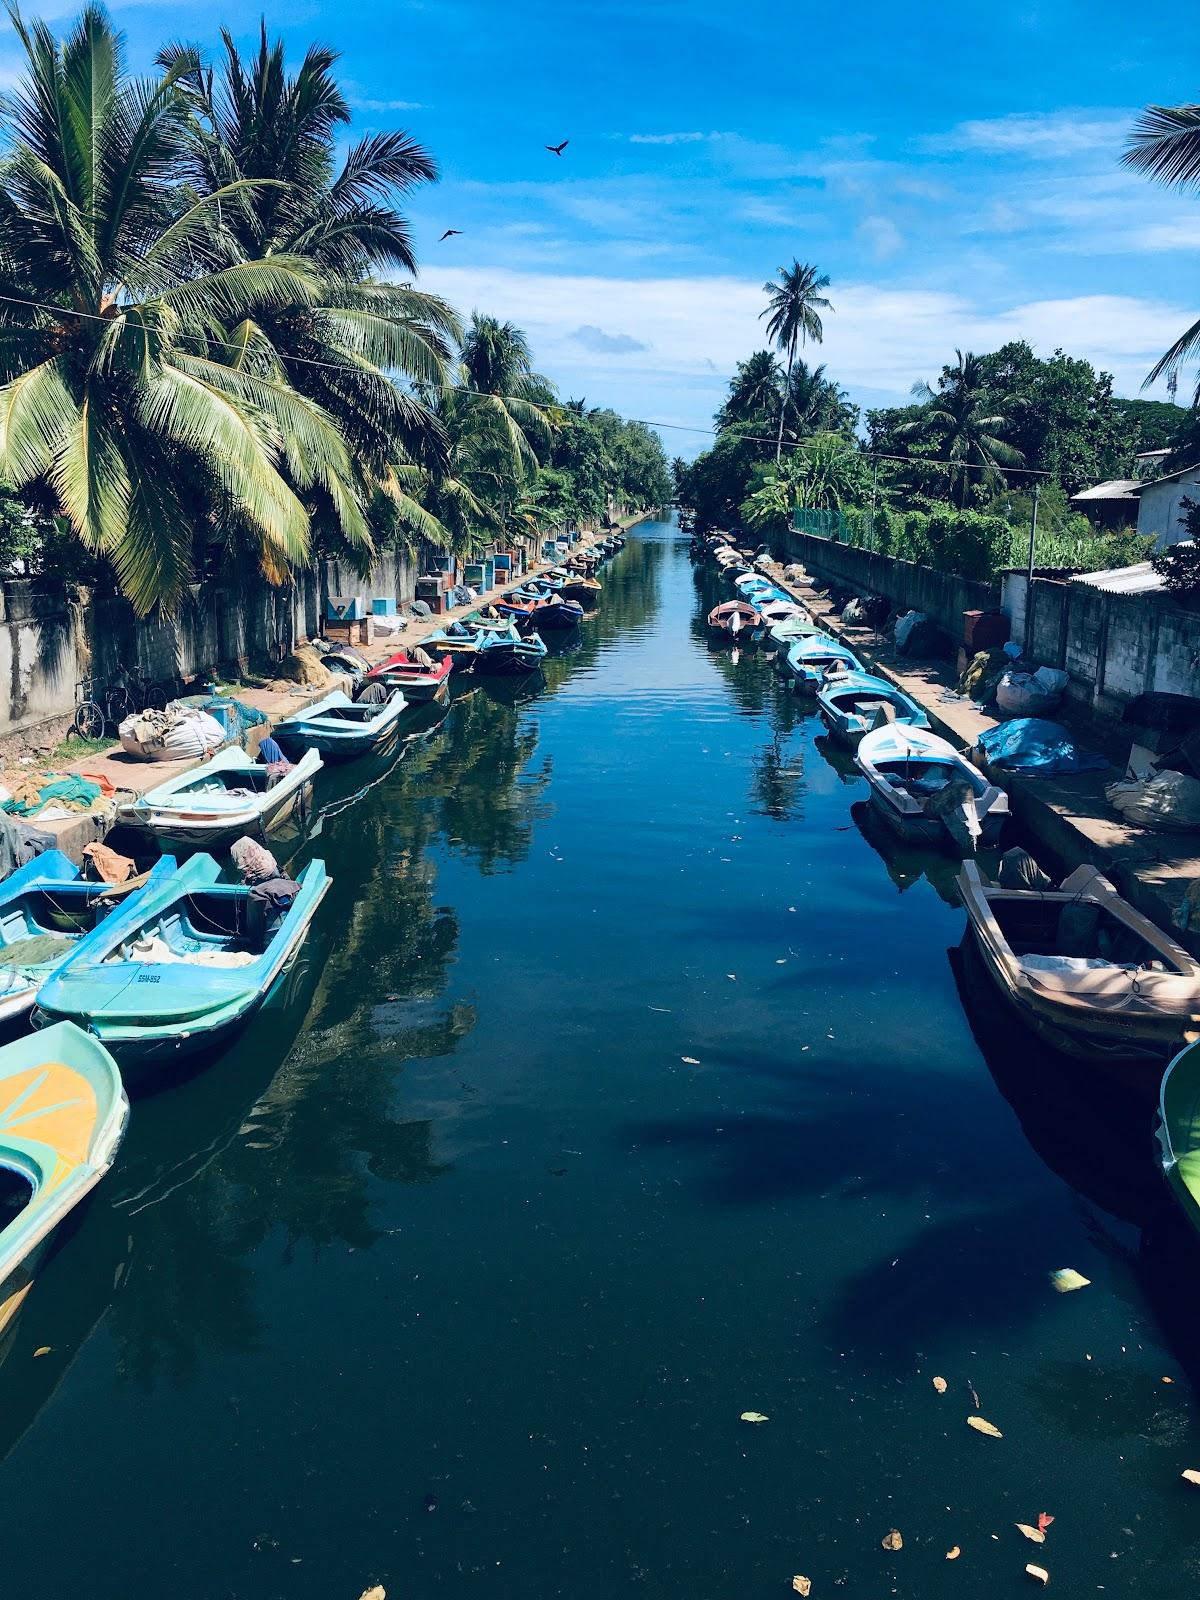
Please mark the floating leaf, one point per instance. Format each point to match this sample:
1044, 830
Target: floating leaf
953, 1553
982, 1426
43, 1350
1035, 1534
1192, 1476
377, 1593
893, 1540
1066, 1279
689, 1061
754, 1416
940, 1385
1040, 1573
1168, 1380
1044, 1521
801, 1584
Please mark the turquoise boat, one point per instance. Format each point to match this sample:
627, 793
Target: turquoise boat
339, 728
48, 911
856, 702
62, 1118
783, 635
210, 806
181, 970
812, 657
1179, 1130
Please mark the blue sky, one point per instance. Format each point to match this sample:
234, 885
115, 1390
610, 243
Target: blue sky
954, 168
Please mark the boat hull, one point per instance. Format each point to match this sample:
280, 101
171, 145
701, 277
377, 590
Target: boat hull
916, 829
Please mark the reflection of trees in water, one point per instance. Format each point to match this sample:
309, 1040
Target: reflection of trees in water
777, 786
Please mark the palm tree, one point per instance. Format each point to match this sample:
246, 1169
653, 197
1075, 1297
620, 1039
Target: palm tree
816, 404
497, 376
754, 391
118, 286
794, 306
1165, 144
255, 122
957, 418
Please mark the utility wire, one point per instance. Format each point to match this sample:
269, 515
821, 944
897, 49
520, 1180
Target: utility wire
645, 422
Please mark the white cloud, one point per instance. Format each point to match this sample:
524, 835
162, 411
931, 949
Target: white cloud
881, 237
386, 105
671, 138
1039, 135
878, 340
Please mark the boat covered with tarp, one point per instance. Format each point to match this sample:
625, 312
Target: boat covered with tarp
188, 964
63, 1113
922, 788
48, 909
341, 729
209, 807
856, 702
813, 657
1082, 966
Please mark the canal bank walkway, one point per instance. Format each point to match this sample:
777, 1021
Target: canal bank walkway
125, 772
1068, 816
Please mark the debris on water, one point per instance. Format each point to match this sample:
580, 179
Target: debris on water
893, 1540
1040, 1573
982, 1426
377, 1593
1168, 1380
1192, 1475
689, 1061
1035, 1534
953, 1553
43, 1350
666, 1010
1044, 1521
1066, 1279
974, 1396
732, 976
940, 1385
431, 1502
754, 1416
801, 1584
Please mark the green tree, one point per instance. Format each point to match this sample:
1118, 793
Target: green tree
1059, 413
755, 392
116, 407
958, 418
1165, 145
793, 310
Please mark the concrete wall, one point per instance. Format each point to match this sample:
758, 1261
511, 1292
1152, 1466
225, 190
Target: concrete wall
1159, 511
908, 586
1114, 646
48, 644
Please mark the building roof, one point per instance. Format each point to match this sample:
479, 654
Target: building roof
1138, 579
1172, 477
1114, 489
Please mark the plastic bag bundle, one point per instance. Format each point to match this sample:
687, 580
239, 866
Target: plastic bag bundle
1030, 694
170, 735
1168, 800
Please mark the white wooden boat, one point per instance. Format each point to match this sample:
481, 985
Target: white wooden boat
922, 788
211, 806
1084, 969
854, 703
340, 728
783, 635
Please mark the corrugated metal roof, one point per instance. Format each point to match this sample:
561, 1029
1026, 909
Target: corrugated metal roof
1114, 489
1139, 579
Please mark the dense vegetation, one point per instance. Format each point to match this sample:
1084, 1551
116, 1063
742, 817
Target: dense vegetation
946, 480
212, 349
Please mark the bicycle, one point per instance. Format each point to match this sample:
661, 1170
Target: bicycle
97, 710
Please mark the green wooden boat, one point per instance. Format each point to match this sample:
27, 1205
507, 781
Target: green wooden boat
185, 967
62, 1118
1179, 1130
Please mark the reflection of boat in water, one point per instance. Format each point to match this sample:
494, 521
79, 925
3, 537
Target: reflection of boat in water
1087, 1127
906, 863
511, 691
839, 758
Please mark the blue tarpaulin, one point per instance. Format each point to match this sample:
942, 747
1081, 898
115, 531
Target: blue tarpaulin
1030, 744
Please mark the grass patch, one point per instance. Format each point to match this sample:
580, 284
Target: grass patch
73, 748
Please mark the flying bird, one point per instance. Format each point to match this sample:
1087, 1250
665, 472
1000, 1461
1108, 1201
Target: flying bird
449, 233
557, 149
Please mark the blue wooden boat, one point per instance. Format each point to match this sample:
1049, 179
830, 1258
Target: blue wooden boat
856, 702
784, 634
48, 911
210, 806
509, 653
63, 1113
182, 969
812, 657
341, 729
555, 612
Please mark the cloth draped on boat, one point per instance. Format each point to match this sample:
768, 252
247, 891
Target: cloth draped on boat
19, 843
374, 694
1018, 870
1042, 749
253, 860
155, 952
106, 865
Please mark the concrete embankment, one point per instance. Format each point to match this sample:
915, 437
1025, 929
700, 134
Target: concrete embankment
1067, 817
74, 833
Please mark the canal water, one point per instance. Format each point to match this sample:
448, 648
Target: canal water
630, 1083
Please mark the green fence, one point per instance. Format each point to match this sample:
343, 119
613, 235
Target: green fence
824, 524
